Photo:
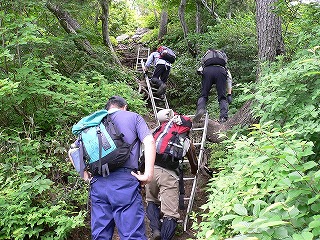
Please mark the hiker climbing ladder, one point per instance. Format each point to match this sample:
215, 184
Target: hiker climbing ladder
158, 103
198, 136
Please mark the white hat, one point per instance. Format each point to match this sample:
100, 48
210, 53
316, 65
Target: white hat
165, 115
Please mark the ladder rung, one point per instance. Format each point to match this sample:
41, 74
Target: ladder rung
189, 178
197, 144
161, 99
197, 129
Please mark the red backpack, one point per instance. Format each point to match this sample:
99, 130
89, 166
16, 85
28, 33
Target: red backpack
172, 141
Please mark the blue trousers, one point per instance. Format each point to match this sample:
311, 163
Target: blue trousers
116, 201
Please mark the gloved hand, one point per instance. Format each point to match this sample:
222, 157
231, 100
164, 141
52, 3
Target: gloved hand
229, 98
200, 70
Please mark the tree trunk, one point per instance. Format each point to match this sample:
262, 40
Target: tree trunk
71, 26
269, 31
105, 29
198, 17
183, 23
163, 25
155, 11
182, 8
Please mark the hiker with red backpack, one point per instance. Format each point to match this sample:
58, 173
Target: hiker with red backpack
214, 71
162, 59
165, 193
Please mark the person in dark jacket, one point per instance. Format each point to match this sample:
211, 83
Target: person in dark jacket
213, 70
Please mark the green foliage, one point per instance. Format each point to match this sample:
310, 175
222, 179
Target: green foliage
45, 87
183, 81
289, 95
300, 25
122, 18
36, 93
268, 186
150, 21
29, 207
267, 189
46, 98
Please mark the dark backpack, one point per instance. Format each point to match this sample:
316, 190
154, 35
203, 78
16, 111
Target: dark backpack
172, 141
100, 145
167, 54
214, 57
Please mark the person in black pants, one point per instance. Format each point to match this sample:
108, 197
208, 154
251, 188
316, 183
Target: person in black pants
161, 71
214, 71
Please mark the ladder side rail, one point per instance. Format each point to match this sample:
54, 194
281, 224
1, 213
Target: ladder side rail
204, 136
200, 157
166, 102
150, 93
191, 200
137, 60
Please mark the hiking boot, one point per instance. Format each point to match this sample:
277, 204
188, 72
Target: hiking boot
168, 228
161, 89
153, 85
199, 114
156, 235
222, 120
155, 82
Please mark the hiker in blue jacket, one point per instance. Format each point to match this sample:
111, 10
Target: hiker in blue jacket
214, 71
116, 200
161, 72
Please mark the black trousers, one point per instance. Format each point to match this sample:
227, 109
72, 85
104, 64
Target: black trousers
215, 75
161, 72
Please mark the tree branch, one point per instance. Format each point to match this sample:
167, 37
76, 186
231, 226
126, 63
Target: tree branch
210, 10
71, 26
